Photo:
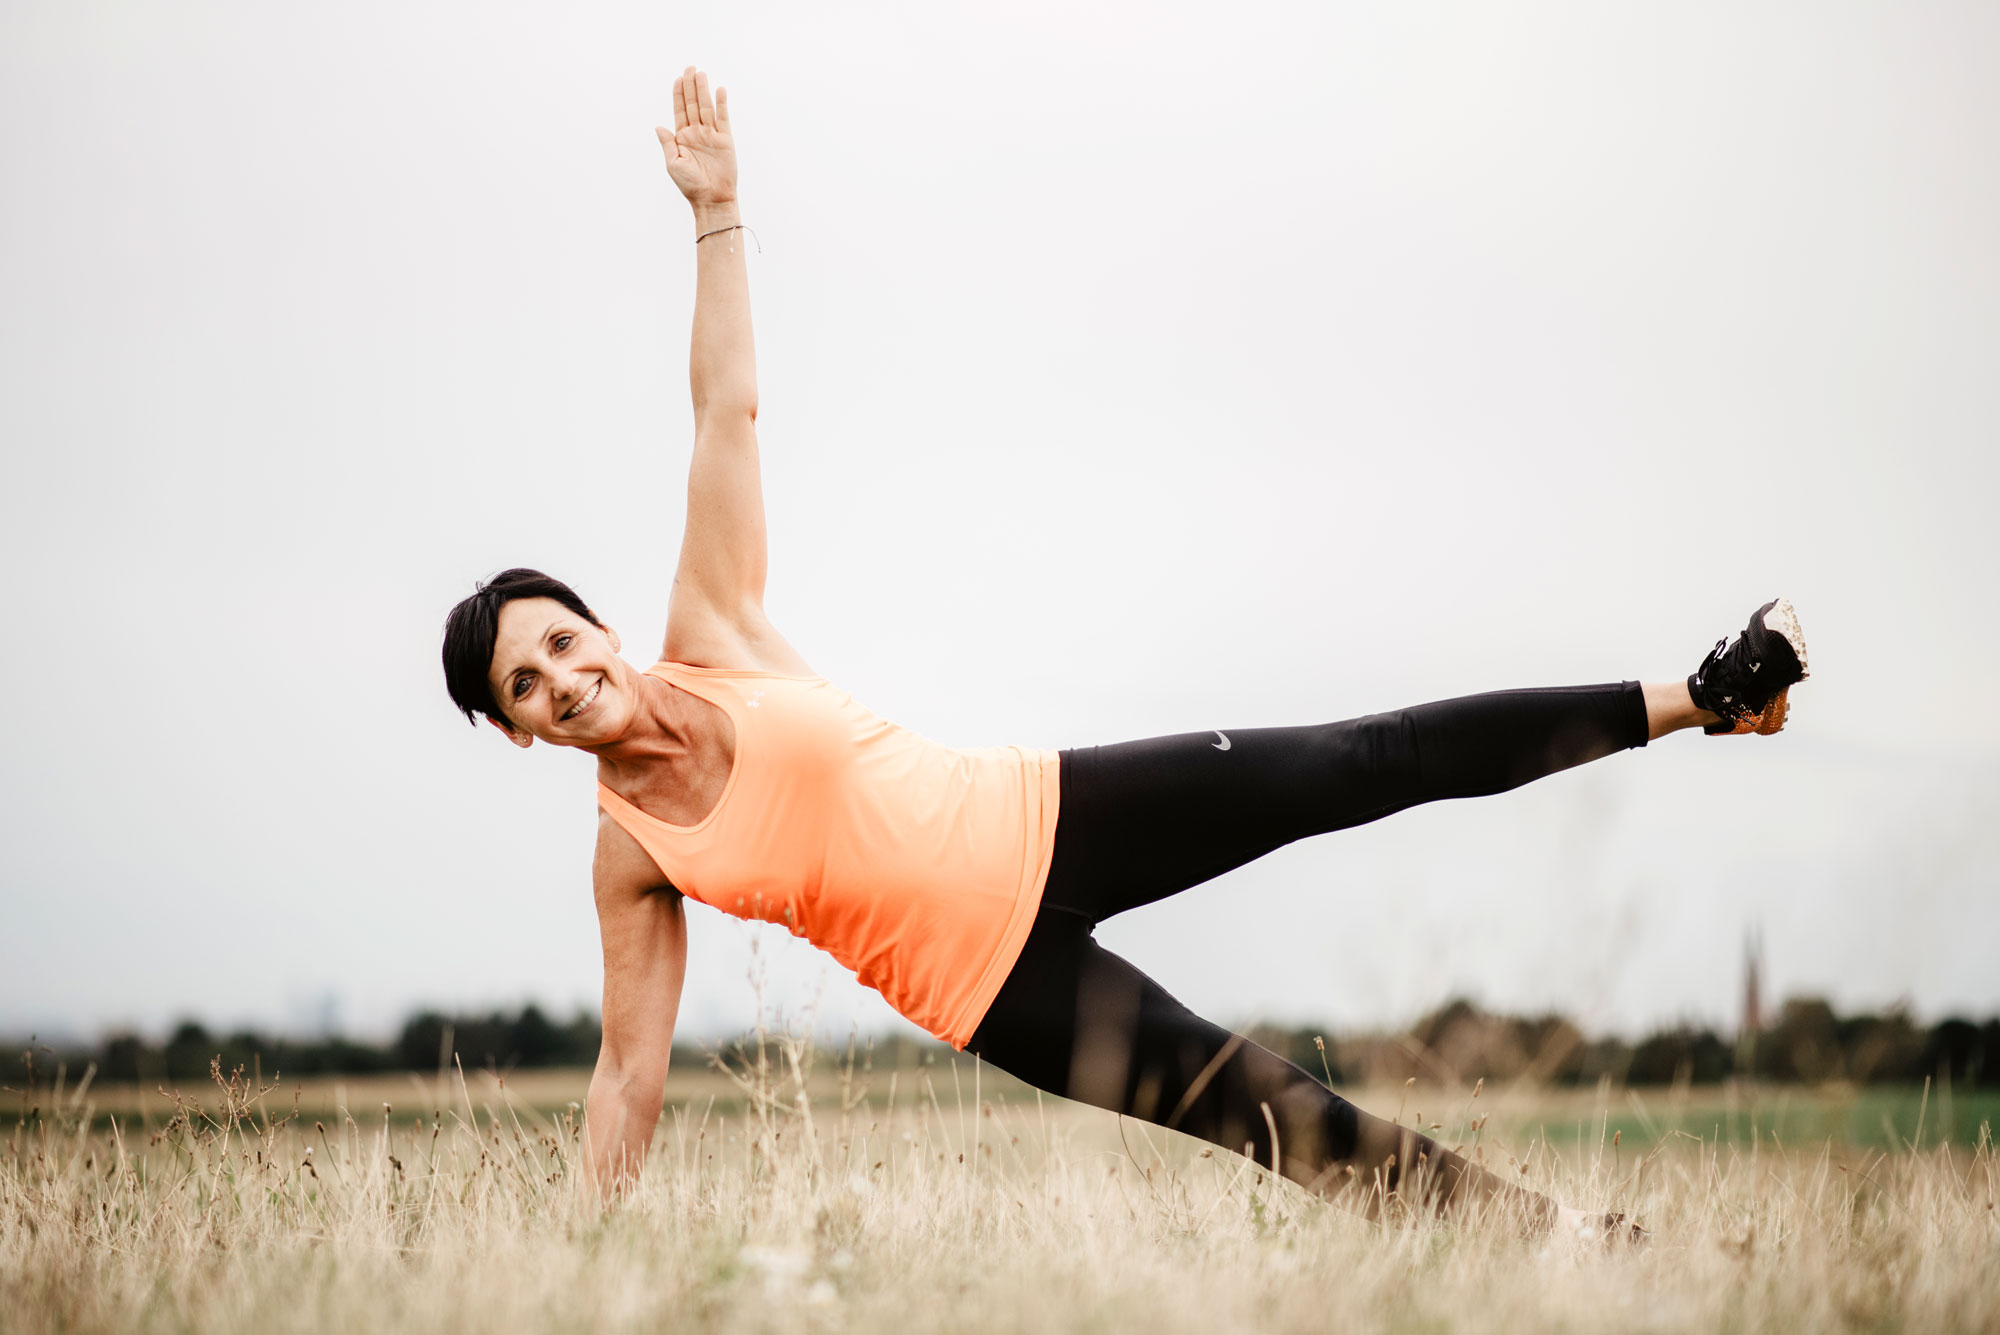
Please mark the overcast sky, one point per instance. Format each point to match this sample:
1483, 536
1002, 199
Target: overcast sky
1124, 370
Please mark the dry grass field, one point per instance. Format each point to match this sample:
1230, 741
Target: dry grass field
938, 1198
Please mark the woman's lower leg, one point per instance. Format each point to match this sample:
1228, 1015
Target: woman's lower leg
1248, 1099
1078, 1021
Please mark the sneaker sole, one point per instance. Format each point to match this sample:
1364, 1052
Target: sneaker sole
1773, 718
1783, 619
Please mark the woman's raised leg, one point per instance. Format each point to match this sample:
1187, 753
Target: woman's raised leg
1143, 820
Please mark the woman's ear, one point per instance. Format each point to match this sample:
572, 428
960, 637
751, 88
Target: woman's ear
612, 635
520, 739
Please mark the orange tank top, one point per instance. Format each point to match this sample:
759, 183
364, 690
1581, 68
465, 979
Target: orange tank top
916, 865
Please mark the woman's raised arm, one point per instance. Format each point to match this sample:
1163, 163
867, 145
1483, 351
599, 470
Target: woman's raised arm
719, 588
701, 158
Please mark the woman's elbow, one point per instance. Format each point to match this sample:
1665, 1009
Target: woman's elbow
626, 1076
726, 403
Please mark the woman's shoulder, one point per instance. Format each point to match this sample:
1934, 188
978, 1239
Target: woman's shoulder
745, 643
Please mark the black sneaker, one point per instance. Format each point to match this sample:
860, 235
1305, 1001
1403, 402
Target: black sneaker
1622, 1232
1613, 1232
1746, 682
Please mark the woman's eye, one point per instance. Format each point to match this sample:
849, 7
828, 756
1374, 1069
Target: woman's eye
562, 642
521, 685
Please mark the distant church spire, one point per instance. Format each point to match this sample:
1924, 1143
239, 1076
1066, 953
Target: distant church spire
1753, 983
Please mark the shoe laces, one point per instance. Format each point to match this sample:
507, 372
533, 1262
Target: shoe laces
1722, 681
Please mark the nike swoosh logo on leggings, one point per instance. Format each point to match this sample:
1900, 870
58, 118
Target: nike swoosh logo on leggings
1222, 745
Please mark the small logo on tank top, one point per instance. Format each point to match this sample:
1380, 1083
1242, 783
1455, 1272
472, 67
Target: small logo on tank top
1222, 745
753, 700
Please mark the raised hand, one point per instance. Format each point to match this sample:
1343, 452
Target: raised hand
701, 155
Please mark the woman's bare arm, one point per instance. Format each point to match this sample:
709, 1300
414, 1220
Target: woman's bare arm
645, 960
701, 159
718, 592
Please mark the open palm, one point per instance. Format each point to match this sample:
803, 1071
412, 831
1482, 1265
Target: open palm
701, 155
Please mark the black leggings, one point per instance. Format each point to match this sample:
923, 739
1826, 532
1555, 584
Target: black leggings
1143, 820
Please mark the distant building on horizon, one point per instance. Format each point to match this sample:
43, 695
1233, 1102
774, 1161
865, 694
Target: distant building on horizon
1753, 984
1752, 1023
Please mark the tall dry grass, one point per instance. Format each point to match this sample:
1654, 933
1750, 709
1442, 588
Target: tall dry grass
931, 1207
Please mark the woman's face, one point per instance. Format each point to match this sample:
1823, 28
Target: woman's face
558, 677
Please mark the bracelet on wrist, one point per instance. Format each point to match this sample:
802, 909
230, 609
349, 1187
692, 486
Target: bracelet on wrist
733, 227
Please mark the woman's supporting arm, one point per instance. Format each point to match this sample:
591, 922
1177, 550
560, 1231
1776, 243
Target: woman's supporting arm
645, 961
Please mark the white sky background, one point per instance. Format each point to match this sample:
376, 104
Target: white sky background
1124, 370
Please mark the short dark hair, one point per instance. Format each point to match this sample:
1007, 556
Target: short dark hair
474, 625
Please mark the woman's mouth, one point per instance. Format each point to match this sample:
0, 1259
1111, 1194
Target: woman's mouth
582, 706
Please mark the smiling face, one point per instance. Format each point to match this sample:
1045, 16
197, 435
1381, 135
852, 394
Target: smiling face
558, 677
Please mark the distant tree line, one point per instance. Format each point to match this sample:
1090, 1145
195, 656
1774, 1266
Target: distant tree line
496, 1040
429, 1041
1808, 1042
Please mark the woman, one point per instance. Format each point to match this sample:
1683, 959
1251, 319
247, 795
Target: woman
965, 885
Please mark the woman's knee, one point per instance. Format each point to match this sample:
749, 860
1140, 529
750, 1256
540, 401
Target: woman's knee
1368, 764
